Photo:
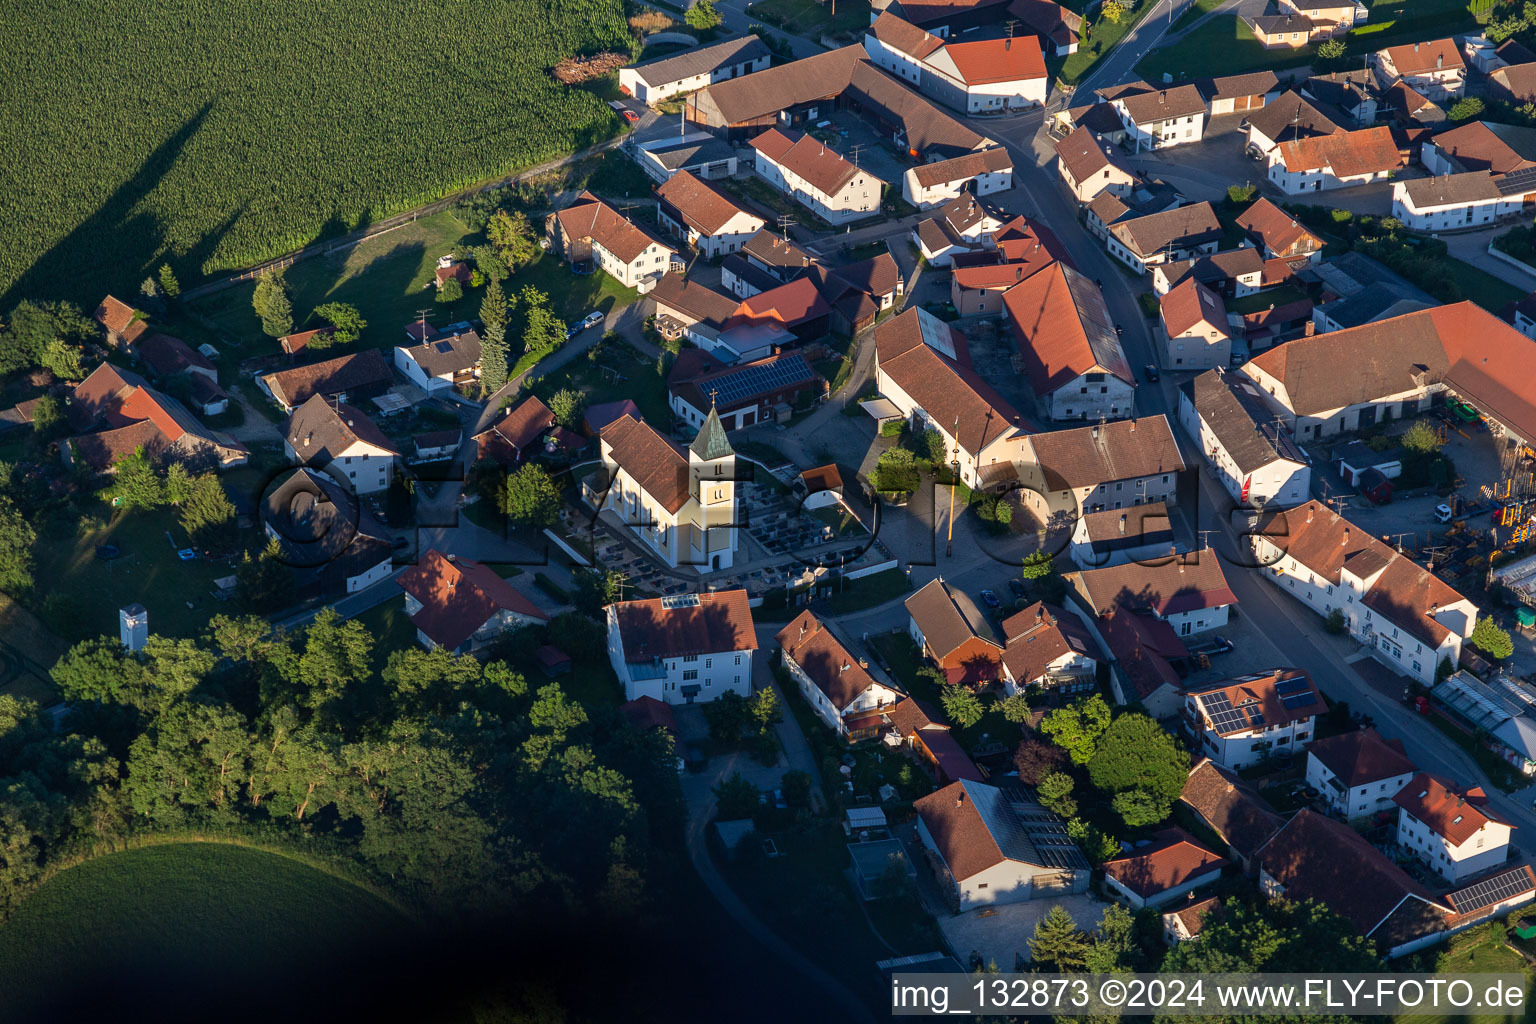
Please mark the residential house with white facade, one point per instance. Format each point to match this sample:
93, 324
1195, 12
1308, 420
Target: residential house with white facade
1286, 118
977, 77
1178, 234
1358, 773
1278, 235
1112, 465
1187, 590
1116, 536
1409, 617
983, 853
589, 230
1172, 866
1434, 69
341, 442
1196, 334
1234, 272
1049, 647
703, 216
1090, 164
441, 363
838, 686
1069, 345
1455, 202
655, 80
982, 173
1246, 445
1244, 720
1452, 829
963, 226
331, 545
683, 649
460, 605
1334, 161
816, 177
681, 505
1331, 17
1161, 117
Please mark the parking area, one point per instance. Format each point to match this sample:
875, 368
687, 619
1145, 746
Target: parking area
1001, 934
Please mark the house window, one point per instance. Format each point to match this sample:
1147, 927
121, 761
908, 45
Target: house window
692, 673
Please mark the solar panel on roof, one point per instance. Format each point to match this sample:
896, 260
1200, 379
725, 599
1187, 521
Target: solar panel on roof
1490, 891
758, 379
1292, 685
1293, 701
1256, 717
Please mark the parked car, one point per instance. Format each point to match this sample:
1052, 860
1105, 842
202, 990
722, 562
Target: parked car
693, 755
571, 330
1016, 588
990, 599
631, 116
592, 319
1442, 513
1149, 372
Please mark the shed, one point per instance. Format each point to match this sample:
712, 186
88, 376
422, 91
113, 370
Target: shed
865, 817
1375, 486
872, 860
1357, 457
733, 834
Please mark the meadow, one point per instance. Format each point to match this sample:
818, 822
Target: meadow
214, 134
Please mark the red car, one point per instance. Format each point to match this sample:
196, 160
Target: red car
631, 116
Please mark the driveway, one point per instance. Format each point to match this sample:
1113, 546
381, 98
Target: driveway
1001, 934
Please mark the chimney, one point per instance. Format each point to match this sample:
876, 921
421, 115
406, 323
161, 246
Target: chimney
1132, 423
1122, 522
1344, 541
1040, 610
863, 663
1308, 329
960, 797
1310, 507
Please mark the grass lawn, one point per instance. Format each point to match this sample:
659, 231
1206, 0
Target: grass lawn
811, 19
1263, 300
80, 594
1222, 46
1481, 950
387, 279
1482, 287
1103, 36
390, 627
618, 372
174, 922
1196, 11
867, 591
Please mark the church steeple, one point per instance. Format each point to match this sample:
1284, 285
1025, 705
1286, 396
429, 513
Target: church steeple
711, 444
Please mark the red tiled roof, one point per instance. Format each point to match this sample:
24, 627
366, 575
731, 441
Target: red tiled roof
1063, 329
1272, 227
1418, 58
1190, 304
822, 478
523, 424
904, 37
1258, 694
653, 461
100, 450
1186, 582
119, 318
789, 304
165, 355
1232, 808
646, 713
1084, 153
1361, 757
359, 370
1346, 154
714, 623
1453, 813
989, 61
294, 343
810, 159
590, 217
959, 831
458, 597
826, 662
702, 207
962, 167
1038, 635
1145, 647
1174, 859
1104, 452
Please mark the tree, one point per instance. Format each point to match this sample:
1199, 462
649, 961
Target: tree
490, 265
1329, 52
1135, 755
542, 330
16, 540
736, 797
1014, 708
1276, 936
1057, 943
1036, 758
347, 324
150, 289
1115, 946
961, 706
763, 708
206, 507
727, 716
1468, 108
47, 335
703, 17
1112, 11
1037, 565
262, 583
531, 500
135, 484
1077, 728
1334, 622
272, 305
512, 237
168, 283
598, 588
796, 786
337, 654
1422, 439
567, 405
48, 416
1055, 792
932, 448
1003, 512
896, 470
493, 343
1237, 195
450, 290
1491, 640
1098, 846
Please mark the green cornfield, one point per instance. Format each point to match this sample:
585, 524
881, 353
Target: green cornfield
214, 134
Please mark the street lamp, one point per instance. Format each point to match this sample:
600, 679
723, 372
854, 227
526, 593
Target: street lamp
954, 485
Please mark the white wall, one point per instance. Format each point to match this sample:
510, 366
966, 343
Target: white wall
1486, 848
1280, 484
1353, 801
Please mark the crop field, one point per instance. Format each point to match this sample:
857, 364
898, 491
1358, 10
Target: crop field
217, 133
163, 923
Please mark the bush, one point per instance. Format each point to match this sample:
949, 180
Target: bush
1334, 623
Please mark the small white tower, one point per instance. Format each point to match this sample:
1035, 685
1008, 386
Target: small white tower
133, 626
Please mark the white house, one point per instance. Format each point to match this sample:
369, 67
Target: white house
1358, 773
1091, 164
1103, 466
961, 226
1187, 922
978, 77
804, 168
1188, 591
1409, 617
981, 173
683, 649
1236, 272
981, 851
342, 442
591, 231
1196, 334
1451, 829
838, 686
1451, 203
1334, 161
1174, 865
655, 80
1158, 118
1241, 721
1049, 647
331, 544
1117, 536
1435, 68
1181, 233
703, 216
681, 506
461, 605
441, 364
1248, 449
